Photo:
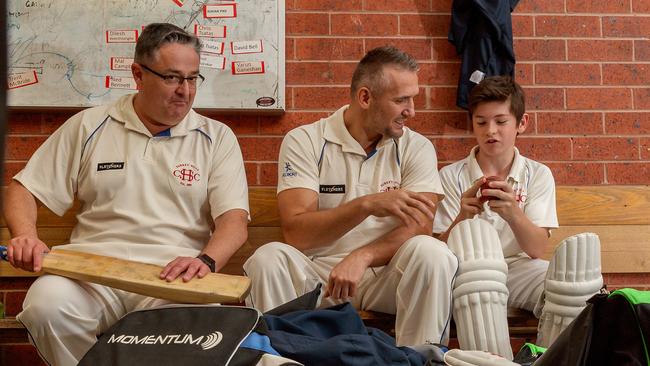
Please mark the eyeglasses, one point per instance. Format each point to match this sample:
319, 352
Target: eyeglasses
177, 80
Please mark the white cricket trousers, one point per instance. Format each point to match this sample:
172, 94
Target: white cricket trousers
415, 285
64, 316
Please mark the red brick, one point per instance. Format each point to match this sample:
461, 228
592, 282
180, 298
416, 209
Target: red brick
240, 124
260, 148
420, 100
320, 98
626, 26
327, 5
524, 74
567, 26
574, 173
567, 74
628, 173
22, 147
569, 123
307, 73
540, 6
522, 26
11, 169
642, 50
442, 98
280, 125
52, 120
289, 97
599, 98
542, 148
364, 24
16, 283
290, 49
439, 6
269, 174
424, 25
539, 49
418, 48
24, 123
329, 49
544, 98
451, 149
307, 23
600, 50
640, 6
19, 354
626, 74
645, 148
14, 302
608, 148
599, 7
439, 73
627, 123
251, 173
401, 6
444, 51
642, 98
439, 123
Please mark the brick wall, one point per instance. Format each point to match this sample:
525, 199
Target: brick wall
585, 66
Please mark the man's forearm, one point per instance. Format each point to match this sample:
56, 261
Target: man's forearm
318, 228
20, 210
230, 233
381, 250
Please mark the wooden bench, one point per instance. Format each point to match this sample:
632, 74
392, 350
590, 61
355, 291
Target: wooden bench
620, 215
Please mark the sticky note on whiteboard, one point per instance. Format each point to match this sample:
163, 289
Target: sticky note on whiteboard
220, 10
121, 63
121, 36
20, 79
240, 47
212, 61
247, 67
210, 31
120, 82
212, 46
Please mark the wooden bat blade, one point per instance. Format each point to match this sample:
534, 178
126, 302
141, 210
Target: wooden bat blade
142, 278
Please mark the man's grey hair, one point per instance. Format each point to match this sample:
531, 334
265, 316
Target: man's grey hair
156, 35
369, 70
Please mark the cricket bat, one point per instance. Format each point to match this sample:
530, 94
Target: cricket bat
143, 279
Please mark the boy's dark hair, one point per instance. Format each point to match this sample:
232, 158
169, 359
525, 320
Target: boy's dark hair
156, 35
499, 89
369, 70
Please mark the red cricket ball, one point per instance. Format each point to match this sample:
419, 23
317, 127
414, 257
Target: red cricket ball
486, 186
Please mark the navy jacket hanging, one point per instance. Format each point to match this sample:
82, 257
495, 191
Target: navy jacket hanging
481, 31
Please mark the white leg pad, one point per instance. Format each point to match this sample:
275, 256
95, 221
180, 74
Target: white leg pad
574, 275
480, 293
456, 357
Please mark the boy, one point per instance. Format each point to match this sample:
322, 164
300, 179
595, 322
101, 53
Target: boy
499, 251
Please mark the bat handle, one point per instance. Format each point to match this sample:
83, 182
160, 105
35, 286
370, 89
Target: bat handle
3, 252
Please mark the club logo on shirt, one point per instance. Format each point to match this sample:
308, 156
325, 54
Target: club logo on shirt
187, 174
332, 188
389, 185
288, 171
110, 166
520, 196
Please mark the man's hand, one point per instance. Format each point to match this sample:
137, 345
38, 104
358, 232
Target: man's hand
188, 266
345, 276
405, 205
26, 252
506, 204
471, 205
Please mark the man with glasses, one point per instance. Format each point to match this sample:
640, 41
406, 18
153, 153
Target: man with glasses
157, 183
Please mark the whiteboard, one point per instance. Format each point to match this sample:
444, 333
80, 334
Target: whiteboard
66, 53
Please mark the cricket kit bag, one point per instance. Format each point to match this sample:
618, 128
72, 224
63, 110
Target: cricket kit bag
195, 335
